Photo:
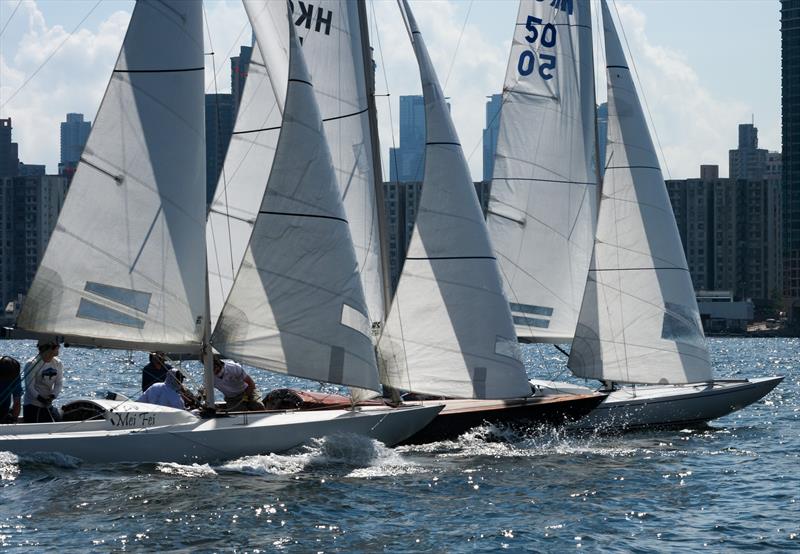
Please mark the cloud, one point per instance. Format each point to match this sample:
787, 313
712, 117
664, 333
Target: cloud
73, 80
478, 69
693, 124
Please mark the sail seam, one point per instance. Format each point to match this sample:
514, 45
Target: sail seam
294, 214
633, 167
181, 70
345, 115
544, 180
454, 258
256, 130
638, 269
618, 67
443, 142
236, 217
301, 81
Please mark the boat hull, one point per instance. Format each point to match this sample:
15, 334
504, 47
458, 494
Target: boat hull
669, 406
461, 415
183, 437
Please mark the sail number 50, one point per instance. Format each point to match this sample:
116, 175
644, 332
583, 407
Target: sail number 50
547, 39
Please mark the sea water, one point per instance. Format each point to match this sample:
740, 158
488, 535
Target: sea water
731, 485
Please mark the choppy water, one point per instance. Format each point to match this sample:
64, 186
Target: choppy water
735, 484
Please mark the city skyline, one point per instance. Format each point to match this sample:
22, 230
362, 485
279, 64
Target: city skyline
688, 76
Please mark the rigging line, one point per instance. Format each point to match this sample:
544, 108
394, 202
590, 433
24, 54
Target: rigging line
396, 300
386, 84
50, 56
219, 134
10, 17
458, 44
230, 49
641, 88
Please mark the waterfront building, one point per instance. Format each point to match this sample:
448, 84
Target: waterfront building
74, 134
29, 208
790, 150
9, 151
219, 127
407, 161
31, 170
490, 134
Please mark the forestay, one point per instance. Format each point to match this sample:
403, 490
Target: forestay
449, 329
297, 305
330, 33
639, 322
125, 265
543, 201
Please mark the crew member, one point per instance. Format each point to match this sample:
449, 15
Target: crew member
167, 393
10, 390
238, 387
44, 377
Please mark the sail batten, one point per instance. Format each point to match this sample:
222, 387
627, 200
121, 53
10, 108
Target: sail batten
296, 305
131, 271
639, 321
542, 208
449, 330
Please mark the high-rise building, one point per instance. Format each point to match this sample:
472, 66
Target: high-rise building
9, 151
407, 161
748, 161
219, 127
239, 65
29, 208
31, 170
790, 151
74, 133
602, 132
490, 134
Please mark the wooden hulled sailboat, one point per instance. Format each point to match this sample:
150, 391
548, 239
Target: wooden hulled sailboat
449, 332
134, 274
639, 322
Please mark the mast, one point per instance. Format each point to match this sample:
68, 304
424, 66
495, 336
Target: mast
369, 76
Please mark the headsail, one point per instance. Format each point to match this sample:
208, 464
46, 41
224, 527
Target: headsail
125, 265
449, 330
243, 179
296, 305
544, 187
332, 40
639, 322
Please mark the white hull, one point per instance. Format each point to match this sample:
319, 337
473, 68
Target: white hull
665, 405
135, 432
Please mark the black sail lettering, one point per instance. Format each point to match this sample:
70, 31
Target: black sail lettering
306, 13
324, 20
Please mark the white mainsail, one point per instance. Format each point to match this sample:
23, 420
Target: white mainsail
449, 329
331, 36
296, 305
125, 265
543, 201
639, 322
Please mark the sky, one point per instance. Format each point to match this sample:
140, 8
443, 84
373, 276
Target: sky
704, 66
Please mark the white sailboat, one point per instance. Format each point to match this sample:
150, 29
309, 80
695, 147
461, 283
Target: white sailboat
543, 204
133, 275
449, 332
639, 322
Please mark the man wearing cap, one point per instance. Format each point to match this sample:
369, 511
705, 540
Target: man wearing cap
238, 387
155, 371
44, 377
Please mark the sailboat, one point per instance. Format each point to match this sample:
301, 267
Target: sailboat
134, 274
449, 335
639, 323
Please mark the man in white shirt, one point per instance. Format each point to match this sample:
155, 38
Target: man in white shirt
236, 385
167, 393
44, 378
